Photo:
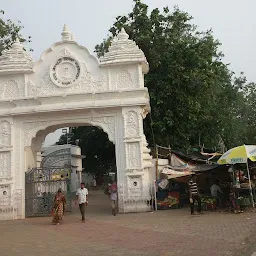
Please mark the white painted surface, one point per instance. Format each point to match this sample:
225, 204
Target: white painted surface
69, 87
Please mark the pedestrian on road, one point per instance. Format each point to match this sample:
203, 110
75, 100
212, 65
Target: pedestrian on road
82, 199
113, 197
194, 195
58, 207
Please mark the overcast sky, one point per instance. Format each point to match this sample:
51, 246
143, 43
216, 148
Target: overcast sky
233, 23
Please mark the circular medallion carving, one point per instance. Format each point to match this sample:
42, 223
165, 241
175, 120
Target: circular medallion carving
65, 71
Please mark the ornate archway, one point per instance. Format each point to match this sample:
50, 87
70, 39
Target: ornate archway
69, 86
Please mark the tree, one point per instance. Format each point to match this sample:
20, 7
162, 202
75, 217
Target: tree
249, 115
9, 32
99, 152
194, 97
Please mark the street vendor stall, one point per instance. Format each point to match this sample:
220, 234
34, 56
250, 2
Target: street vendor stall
178, 173
242, 183
172, 195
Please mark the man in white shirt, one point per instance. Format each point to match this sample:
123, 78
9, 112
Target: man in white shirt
82, 199
216, 192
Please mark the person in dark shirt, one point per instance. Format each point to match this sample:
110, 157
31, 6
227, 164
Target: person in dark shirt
194, 195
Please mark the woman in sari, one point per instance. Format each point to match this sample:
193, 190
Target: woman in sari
58, 207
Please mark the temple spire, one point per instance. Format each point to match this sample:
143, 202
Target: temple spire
123, 35
17, 45
124, 51
16, 59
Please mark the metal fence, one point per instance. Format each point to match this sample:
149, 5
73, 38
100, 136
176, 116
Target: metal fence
136, 198
11, 205
42, 185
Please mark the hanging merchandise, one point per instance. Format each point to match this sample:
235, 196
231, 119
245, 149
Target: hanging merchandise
241, 155
163, 184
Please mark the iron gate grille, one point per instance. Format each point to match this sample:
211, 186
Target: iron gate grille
42, 185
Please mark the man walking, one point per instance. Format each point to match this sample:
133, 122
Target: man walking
82, 199
194, 195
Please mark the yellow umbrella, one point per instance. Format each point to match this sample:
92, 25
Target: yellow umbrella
240, 155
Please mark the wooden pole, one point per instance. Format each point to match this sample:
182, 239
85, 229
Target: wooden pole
156, 163
250, 184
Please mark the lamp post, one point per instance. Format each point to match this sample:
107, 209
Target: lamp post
65, 132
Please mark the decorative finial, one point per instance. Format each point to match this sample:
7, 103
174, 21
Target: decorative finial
73, 38
123, 35
66, 35
17, 45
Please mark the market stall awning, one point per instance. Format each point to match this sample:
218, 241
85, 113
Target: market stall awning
172, 174
196, 158
178, 164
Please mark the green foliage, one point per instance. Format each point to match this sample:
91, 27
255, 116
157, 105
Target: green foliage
194, 98
249, 114
96, 147
9, 31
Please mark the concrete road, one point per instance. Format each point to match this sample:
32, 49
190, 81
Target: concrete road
164, 233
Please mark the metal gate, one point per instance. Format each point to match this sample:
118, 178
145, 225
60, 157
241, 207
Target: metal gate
42, 185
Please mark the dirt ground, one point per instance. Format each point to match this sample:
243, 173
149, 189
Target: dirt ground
166, 233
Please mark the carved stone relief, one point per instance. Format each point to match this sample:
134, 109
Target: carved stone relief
5, 134
107, 123
134, 186
86, 83
29, 130
5, 195
124, 80
133, 155
45, 87
5, 190
11, 90
65, 72
132, 124
5, 164
67, 75
64, 53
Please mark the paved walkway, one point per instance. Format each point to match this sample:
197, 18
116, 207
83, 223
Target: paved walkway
164, 233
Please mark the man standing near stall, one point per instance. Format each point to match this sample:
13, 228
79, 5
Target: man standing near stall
194, 195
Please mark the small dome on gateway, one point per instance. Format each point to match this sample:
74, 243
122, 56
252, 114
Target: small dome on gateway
16, 60
66, 34
123, 51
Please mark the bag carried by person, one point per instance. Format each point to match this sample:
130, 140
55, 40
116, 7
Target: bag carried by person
106, 192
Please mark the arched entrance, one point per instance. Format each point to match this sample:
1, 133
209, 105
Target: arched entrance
45, 176
68, 86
